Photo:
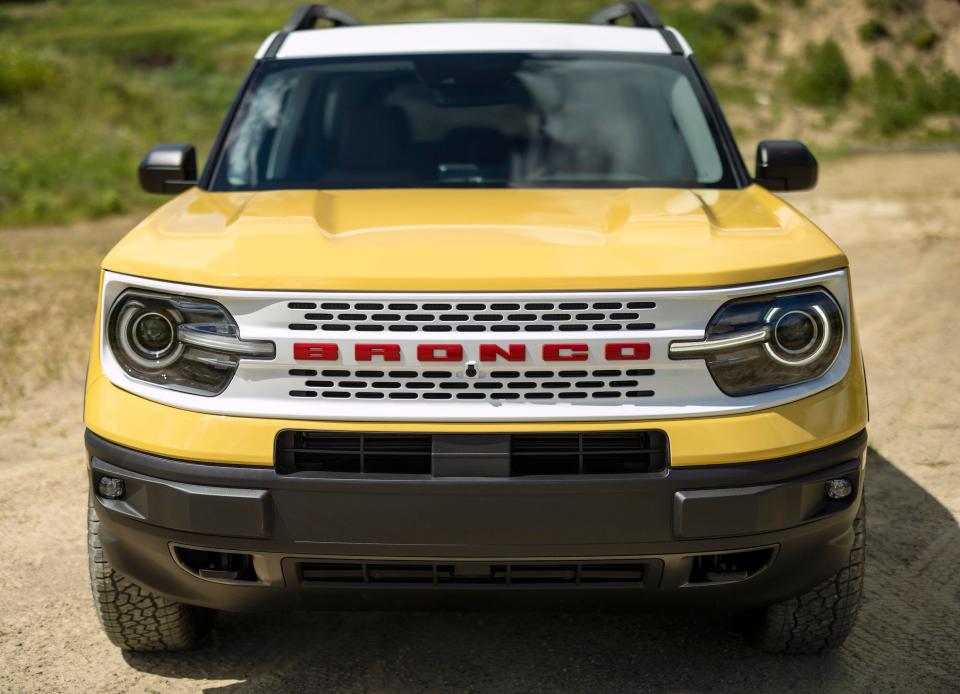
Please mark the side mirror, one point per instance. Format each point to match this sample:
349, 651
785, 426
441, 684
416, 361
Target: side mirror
785, 165
168, 169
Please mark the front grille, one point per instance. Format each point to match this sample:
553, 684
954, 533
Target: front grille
529, 385
557, 573
521, 454
470, 317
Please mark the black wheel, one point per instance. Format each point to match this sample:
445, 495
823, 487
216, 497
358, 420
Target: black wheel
134, 618
820, 619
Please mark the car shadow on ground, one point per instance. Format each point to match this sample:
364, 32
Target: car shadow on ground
906, 638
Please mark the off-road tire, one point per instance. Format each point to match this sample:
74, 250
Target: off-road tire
820, 619
134, 618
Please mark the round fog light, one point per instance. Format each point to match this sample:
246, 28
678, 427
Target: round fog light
838, 489
111, 488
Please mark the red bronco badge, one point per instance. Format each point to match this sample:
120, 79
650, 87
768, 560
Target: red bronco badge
387, 352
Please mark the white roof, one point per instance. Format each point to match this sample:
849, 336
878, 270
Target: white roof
471, 37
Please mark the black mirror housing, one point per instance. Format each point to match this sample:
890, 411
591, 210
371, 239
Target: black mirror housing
785, 165
168, 169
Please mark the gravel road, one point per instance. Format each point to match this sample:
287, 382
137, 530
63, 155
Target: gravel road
897, 216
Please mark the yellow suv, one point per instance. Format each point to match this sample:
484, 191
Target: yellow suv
476, 314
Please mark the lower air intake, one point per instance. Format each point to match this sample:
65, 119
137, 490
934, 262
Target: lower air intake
627, 573
495, 455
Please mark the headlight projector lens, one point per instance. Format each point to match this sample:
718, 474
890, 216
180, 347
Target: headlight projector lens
795, 332
153, 334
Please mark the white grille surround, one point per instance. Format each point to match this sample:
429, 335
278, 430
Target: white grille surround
533, 390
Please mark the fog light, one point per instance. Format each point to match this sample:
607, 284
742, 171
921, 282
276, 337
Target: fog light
838, 489
111, 488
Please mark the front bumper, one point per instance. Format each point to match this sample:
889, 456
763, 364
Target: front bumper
659, 521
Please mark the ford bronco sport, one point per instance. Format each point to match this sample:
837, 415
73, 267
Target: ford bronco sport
476, 313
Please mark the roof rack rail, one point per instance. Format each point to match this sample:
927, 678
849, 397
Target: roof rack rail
640, 13
643, 16
307, 16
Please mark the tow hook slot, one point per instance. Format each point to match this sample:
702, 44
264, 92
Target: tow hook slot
229, 567
729, 567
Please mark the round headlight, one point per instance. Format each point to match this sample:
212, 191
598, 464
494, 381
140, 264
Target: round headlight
147, 336
798, 336
803, 334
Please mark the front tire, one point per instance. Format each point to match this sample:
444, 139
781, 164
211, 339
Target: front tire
820, 619
134, 618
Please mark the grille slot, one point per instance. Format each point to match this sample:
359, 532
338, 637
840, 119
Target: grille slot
551, 453
535, 385
590, 453
320, 451
492, 316
553, 573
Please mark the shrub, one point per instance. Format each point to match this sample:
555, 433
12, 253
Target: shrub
872, 31
730, 15
890, 117
922, 93
712, 29
893, 110
900, 103
886, 83
921, 35
895, 6
21, 72
822, 78
947, 90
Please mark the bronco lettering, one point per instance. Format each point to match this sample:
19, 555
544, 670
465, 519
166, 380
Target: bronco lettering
613, 351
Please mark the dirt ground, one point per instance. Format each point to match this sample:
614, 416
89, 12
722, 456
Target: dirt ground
897, 216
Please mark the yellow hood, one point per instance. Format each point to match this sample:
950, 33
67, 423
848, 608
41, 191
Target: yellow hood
473, 240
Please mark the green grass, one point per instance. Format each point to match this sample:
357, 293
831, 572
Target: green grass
92, 85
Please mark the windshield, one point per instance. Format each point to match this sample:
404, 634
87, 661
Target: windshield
483, 120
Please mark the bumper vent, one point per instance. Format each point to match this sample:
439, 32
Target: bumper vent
486, 455
319, 451
401, 573
594, 453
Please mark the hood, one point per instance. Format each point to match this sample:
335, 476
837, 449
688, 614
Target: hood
475, 240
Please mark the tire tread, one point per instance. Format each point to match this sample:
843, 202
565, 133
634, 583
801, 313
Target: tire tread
134, 618
820, 619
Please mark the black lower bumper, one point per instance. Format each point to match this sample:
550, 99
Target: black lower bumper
339, 541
